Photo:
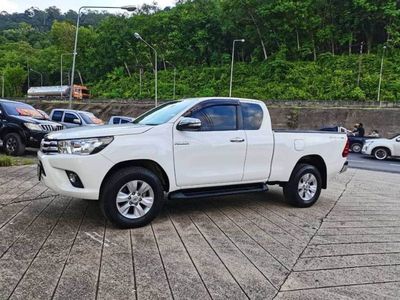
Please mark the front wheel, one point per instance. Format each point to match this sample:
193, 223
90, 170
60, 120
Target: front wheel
13, 144
381, 153
304, 186
132, 197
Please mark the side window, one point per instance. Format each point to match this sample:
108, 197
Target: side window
217, 117
69, 118
252, 116
116, 120
57, 115
124, 121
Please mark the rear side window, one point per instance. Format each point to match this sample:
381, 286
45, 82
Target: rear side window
69, 118
124, 121
217, 117
57, 116
252, 116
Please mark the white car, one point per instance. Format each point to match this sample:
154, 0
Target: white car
188, 149
382, 148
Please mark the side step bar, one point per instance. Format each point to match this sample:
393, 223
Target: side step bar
218, 191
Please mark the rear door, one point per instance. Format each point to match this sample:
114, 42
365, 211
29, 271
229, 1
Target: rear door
216, 153
260, 141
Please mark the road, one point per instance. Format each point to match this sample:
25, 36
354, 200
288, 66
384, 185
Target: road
359, 161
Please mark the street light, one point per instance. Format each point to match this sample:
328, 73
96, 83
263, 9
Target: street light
2, 86
359, 64
61, 72
137, 35
174, 77
380, 77
126, 7
41, 75
233, 58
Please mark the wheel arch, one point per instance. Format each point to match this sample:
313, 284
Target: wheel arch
144, 163
13, 129
318, 162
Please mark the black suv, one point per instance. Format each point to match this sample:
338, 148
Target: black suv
22, 126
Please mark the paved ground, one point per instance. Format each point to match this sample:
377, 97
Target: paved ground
254, 246
366, 162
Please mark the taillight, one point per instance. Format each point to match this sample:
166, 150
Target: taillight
346, 149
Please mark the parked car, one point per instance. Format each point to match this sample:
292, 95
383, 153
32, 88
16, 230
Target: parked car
189, 149
120, 120
22, 126
381, 149
356, 142
74, 118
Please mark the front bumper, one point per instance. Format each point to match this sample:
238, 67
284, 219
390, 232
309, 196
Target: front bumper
366, 149
33, 138
91, 170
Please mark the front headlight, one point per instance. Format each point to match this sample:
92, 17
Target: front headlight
84, 146
32, 126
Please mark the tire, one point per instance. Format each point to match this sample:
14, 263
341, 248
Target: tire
381, 153
299, 190
13, 144
356, 148
125, 199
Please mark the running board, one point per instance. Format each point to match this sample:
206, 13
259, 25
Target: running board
218, 191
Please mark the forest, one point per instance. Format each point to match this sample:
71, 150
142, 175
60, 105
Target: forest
293, 49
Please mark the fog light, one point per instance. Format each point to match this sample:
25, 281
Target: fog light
74, 179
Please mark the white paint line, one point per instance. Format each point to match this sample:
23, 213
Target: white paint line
101, 237
397, 165
96, 239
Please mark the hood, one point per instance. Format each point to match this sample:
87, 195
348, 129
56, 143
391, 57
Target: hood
26, 119
98, 131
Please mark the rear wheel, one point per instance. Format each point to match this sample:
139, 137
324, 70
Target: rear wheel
304, 186
132, 197
13, 144
356, 148
381, 153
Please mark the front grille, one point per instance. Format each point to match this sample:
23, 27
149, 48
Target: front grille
48, 146
49, 128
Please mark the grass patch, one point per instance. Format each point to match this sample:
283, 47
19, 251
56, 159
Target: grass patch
8, 161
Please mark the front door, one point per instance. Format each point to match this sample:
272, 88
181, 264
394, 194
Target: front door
216, 152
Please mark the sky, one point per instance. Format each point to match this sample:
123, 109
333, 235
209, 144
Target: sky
21, 5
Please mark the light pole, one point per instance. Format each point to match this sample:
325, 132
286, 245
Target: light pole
127, 7
2, 86
359, 64
174, 78
61, 72
233, 59
137, 35
41, 75
380, 77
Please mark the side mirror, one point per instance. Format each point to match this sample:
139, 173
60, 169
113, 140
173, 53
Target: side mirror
398, 139
77, 121
189, 124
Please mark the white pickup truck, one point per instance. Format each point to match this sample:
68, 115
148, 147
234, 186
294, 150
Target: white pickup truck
188, 149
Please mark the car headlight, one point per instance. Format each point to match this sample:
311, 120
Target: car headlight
84, 146
32, 126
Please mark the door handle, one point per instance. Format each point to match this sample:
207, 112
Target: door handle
237, 140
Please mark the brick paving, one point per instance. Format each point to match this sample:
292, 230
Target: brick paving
255, 246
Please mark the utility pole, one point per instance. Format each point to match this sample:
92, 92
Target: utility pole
2, 86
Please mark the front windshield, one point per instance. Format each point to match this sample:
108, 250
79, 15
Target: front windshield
22, 109
90, 118
163, 113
